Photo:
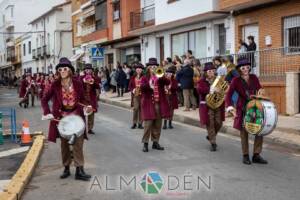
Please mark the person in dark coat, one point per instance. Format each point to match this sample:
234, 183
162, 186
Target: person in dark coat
211, 118
67, 97
91, 88
185, 78
121, 80
27, 88
135, 88
171, 91
251, 47
245, 85
154, 104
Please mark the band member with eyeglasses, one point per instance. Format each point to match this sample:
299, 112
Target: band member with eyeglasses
171, 92
27, 88
211, 118
135, 88
91, 88
67, 96
245, 85
154, 104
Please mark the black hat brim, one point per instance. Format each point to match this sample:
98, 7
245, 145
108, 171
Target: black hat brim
64, 65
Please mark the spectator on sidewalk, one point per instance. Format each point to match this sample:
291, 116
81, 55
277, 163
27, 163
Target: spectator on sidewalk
127, 71
178, 63
189, 55
197, 76
251, 48
168, 63
218, 63
103, 78
113, 81
121, 81
185, 78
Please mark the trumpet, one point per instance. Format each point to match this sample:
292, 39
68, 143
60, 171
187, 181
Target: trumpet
159, 72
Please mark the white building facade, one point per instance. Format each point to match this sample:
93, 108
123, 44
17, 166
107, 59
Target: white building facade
51, 39
14, 18
185, 25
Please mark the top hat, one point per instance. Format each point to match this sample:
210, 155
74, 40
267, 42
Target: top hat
243, 62
88, 66
152, 61
65, 62
138, 65
209, 66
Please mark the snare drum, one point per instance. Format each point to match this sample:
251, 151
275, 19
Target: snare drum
260, 117
71, 127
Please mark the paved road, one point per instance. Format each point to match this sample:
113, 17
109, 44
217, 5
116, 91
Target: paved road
186, 166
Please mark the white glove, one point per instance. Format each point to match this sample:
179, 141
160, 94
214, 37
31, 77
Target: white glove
212, 90
47, 117
87, 110
229, 109
133, 91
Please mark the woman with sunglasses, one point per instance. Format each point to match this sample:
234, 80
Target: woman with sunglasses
245, 85
67, 96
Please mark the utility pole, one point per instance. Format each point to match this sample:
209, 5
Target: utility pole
45, 56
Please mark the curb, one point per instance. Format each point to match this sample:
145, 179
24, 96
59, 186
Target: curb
225, 129
15, 187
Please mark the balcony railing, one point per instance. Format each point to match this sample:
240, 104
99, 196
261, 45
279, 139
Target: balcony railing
269, 64
34, 54
39, 52
46, 50
142, 18
87, 30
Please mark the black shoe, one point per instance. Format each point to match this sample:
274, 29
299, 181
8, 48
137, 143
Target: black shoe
145, 148
213, 147
156, 146
140, 126
133, 126
66, 173
207, 137
246, 160
258, 159
165, 124
20, 104
91, 132
81, 175
170, 124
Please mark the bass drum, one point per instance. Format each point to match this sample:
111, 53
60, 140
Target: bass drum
260, 117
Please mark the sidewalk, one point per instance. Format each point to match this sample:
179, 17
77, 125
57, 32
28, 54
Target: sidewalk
287, 132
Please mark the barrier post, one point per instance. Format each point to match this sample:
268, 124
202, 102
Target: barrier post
1, 130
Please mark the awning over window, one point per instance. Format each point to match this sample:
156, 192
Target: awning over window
292, 22
76, 57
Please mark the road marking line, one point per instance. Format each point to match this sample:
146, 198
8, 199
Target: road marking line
13, 151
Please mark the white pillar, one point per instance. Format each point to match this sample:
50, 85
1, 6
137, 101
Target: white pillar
292, 93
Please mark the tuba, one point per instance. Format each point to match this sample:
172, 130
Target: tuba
216, 99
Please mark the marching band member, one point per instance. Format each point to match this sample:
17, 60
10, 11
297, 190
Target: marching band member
154, 104
135, 88
27, 88
91, 93
171, 91
245, 85
67, 96
211, 118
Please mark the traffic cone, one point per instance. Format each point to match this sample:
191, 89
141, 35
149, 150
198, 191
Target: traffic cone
25, 137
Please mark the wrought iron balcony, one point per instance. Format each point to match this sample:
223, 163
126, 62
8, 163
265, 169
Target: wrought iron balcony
142, 18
